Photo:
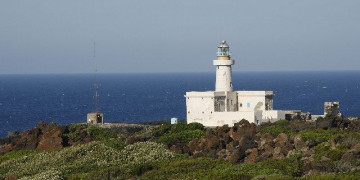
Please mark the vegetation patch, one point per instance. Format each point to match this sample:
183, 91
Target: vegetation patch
319, 135
17, 154
206, 168
324, 149
85, 159
180, 133
276, 128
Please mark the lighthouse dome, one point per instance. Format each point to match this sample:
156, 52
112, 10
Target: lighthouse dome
223, 44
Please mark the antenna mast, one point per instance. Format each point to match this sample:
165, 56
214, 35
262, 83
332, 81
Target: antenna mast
96, 94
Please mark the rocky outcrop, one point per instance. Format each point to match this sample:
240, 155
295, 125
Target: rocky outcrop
225, 142
352, 154
51, 137
42, 137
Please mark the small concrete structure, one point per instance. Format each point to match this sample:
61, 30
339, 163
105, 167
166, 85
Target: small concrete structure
95, 118
174, 120
225, 106
330, 109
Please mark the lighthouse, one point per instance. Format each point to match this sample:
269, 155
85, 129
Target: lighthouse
226, 106
223, 65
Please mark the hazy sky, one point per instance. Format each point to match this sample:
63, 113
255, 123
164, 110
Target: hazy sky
177, 35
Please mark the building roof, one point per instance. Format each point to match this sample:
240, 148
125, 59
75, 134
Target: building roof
223, 44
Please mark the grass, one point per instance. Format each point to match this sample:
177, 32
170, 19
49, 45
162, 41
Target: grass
276, 128
206, 168
324, 149
180, 133
17, 154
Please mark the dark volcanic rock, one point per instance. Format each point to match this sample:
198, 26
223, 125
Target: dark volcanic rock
352, 154
225, 143
51, 138
299, 143
43, 136
251, 155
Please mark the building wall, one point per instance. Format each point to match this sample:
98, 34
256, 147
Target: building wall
199, 105
201, 108
273, 115
223, 75
251, 100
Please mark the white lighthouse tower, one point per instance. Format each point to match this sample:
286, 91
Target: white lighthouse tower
223, 65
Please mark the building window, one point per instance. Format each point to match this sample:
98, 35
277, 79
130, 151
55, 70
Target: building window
240, 105
248, 105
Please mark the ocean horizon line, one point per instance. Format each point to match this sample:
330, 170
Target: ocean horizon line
190, 72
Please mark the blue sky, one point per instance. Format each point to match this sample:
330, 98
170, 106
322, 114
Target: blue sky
177, 36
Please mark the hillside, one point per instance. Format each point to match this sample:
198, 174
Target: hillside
326, 149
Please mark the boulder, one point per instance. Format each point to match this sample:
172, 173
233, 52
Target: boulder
243, 129
299, 143
6, 148
352, 154
251, 155
176, 149
278, 153
282, 142
28, 139
265, 141
306, 152
235, 156
311, 143
52, 138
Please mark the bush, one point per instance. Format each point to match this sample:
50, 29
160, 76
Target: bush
332, 176
181, 137
84, 160
100, 133
176, 128
319, 135
206, 168
276, 128
324, 149
46, 175
115, 143
16, 154
141, 168
180, 133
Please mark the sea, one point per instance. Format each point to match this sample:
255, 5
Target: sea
67, 98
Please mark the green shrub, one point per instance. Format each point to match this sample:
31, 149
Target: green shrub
324, 149
334, 176
141, 168
182, 126
176, 128
17, 154
319, 135
206, 168
180, 133
276, 128
161, 130
180, 138
46, 175
74, 132
85, 159
100, 133
115, 143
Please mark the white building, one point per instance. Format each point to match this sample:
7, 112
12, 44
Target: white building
225, 106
